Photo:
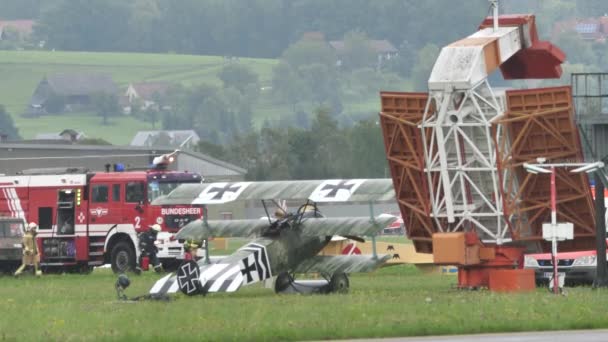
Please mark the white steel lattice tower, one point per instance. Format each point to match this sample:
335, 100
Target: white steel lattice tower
460, 149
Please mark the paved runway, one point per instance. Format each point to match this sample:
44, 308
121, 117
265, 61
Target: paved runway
600, 335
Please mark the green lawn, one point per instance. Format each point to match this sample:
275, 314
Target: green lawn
22, 70
395, 301
119, 131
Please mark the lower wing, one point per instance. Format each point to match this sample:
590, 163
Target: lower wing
341, 264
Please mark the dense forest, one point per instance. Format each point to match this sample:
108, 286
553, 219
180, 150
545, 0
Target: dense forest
310, 85
264, 28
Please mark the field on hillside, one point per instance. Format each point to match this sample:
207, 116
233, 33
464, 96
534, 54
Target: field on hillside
394, 301
22, 70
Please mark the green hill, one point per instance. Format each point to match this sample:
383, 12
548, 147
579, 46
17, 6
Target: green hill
22, 70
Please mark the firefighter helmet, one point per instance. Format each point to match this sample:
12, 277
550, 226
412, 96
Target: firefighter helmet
155, 227
32, 226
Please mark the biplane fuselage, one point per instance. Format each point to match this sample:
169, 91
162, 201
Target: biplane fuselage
278, 247
290, 248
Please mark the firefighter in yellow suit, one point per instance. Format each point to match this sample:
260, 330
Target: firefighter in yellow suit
30, 251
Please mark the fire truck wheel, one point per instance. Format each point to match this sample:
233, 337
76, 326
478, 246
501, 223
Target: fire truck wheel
122, 258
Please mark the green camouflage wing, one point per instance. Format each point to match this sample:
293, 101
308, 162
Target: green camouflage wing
332, 264
198, 231
333, 190
352, 226
357, 226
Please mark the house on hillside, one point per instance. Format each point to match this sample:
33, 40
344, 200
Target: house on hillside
383, 48
591, 29
22, 28
313, 36
67, 135
144, 95
185, 139
70, 91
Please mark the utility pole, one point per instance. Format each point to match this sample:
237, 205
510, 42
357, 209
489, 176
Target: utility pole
601, 273
554, 234
494, 4
554, 229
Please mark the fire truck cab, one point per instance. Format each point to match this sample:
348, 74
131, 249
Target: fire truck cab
87, 219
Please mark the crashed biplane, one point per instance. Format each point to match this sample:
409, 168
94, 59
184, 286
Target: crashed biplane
281, 246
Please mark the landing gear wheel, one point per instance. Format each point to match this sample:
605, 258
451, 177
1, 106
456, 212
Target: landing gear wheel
339, 283
282, 282
122, 258
188, 274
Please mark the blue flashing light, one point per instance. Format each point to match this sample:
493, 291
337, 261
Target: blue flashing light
118, 167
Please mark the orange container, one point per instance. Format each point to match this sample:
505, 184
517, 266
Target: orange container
452, 249
517, 280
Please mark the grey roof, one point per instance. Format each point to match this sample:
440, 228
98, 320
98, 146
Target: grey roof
236, 169
69, 84
146, 90
141, 138
123, 150
47, 136
59, 136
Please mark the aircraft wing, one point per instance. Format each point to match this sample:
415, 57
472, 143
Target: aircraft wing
358, 226
198, 231
333, 190
332, 264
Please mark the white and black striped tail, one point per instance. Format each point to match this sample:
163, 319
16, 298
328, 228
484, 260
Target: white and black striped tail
193, 278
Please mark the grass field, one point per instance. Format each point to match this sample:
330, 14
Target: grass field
22, 70
394, 301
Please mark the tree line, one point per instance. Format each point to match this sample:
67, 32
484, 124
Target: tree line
307, 77
253, 28
325, 150
263, 28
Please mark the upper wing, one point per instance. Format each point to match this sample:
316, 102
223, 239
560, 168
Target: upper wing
358, 226
341, 264
333, 190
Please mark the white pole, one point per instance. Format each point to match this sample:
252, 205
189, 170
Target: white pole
554, 231
495, 13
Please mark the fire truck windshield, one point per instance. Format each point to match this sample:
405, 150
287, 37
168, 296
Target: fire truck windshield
11, 229
157, 189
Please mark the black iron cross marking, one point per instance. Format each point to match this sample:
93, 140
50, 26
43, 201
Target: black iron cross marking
334, 188
221, 191
187, 278
248, 269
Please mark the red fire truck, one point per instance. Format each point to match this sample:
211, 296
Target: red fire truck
86, 219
